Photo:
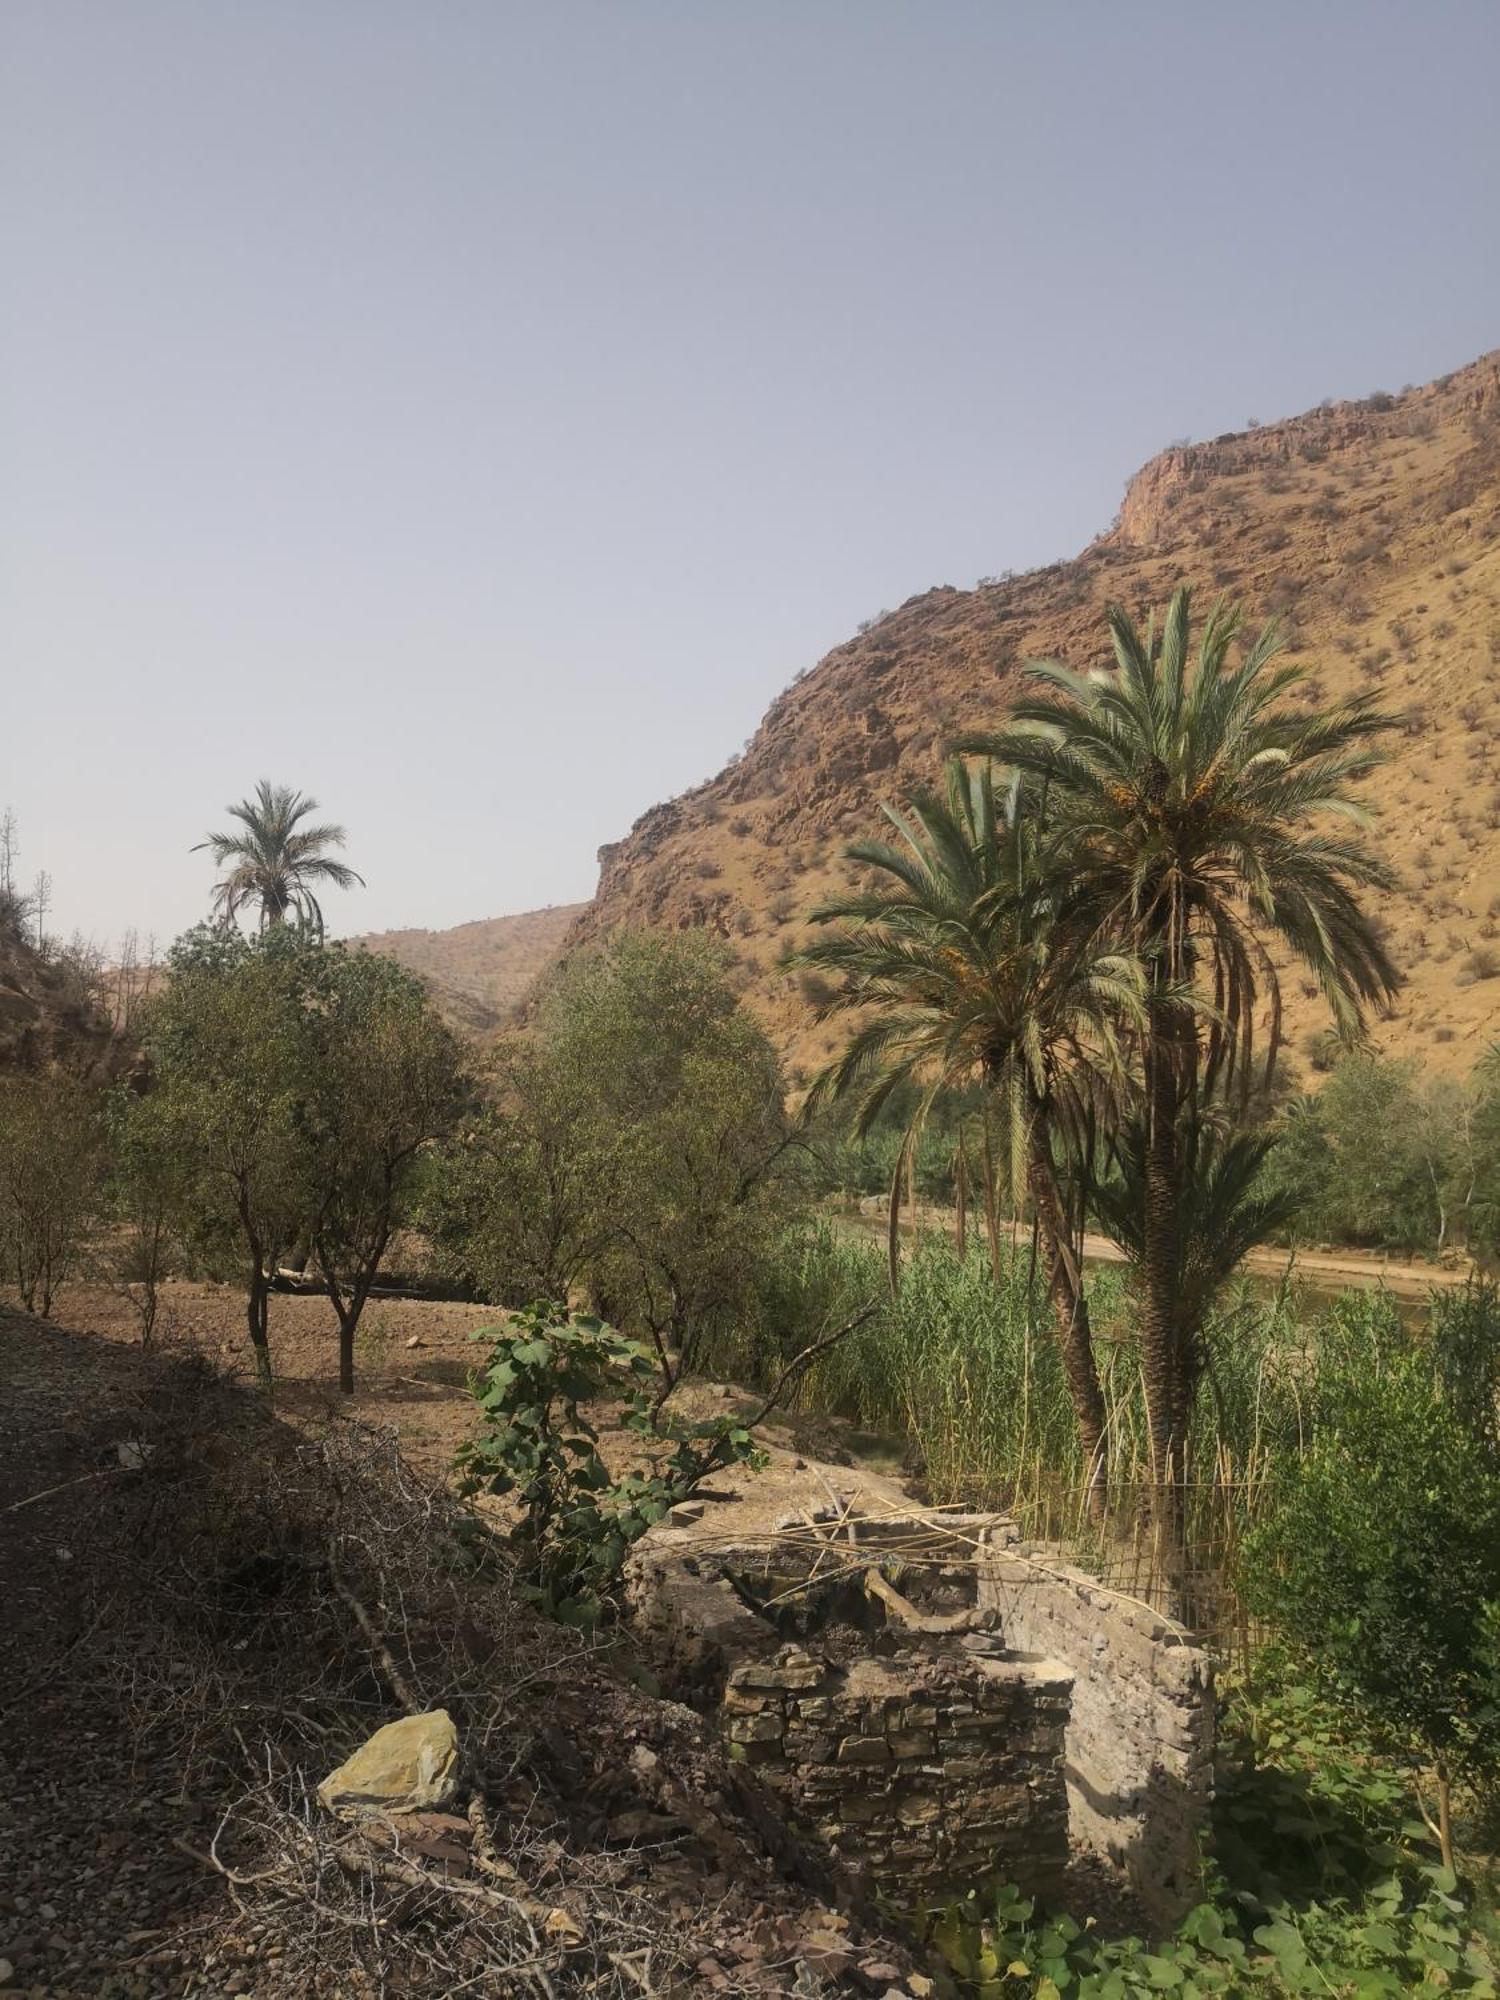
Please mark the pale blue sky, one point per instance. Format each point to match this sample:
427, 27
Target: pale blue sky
475, 413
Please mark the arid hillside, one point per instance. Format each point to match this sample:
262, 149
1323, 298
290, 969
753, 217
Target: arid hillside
51, 1017
477, 973
1371, 528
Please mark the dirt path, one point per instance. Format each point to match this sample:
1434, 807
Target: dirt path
1330, 1270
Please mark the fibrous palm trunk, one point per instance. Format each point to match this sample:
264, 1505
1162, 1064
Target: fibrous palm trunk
1161, 1362
1071, 1313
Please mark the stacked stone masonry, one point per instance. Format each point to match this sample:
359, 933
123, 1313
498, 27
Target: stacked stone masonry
923, 1774
1044, 1720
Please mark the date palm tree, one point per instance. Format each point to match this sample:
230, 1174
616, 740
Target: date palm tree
962, 971
274, 859
1194, 811
1225, 1208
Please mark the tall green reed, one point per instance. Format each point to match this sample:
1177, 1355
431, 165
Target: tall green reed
965, 1364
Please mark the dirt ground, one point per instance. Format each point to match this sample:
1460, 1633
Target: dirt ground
103, 1894
412, 1365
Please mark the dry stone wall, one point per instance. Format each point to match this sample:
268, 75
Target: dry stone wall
957, 1709
927, 1774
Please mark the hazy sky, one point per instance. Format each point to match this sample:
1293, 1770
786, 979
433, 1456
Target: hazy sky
475, 412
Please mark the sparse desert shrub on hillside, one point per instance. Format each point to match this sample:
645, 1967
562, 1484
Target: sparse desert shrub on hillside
708, 870
51, 1168
815, 989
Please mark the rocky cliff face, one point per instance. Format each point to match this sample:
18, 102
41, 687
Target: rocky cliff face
1371, 529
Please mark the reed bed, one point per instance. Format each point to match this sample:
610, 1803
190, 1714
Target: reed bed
963, 1364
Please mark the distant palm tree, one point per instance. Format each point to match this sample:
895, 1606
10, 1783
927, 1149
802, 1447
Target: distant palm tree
1188, 810
959, 963
275, 859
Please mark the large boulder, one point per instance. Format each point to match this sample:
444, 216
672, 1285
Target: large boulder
409, 1766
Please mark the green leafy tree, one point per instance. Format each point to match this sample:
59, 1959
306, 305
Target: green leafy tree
1382, 1565
149, 1196
276, 861
227, 1046
1383, 1157
512, 1204
51, 1162
382, 1078
964, 971
1192, 816
1483, 1188
639, 1149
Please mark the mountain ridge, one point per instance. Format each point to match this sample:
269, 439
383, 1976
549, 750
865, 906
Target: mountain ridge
1371, 528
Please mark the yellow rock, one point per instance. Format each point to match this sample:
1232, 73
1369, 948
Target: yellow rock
409, 1766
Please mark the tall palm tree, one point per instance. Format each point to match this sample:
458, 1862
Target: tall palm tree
964, 972
1189, 809
275, 859
1225, 1207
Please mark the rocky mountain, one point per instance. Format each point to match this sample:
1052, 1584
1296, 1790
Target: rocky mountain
477, 973
1370, 528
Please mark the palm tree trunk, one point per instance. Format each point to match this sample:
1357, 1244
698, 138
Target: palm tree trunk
1070, 1309
1160, 1361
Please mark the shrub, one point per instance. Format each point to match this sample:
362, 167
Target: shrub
1382, 1565
51, 1161
577, 1522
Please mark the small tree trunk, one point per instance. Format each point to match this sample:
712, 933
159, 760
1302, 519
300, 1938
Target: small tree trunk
257, 1313
1445, 1817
